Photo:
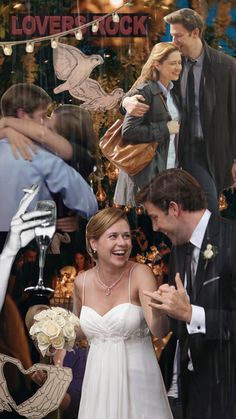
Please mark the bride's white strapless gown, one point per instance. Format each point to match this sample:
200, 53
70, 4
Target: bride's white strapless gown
122, 378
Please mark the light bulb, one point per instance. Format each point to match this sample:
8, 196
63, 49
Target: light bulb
139, 210
7, 49
95, 27
115, 18
17, 5
54, 43
29, 47
116, 3
78, 35
101, 194
127, 208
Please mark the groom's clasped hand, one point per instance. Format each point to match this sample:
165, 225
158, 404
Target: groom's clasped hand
171, 300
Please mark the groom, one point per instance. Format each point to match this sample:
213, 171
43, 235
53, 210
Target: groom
203, 318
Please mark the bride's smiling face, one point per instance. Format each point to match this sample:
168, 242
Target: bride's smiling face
114, 245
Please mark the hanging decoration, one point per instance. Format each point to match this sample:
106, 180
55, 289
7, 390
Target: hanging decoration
101, 194
7, 46
73, 66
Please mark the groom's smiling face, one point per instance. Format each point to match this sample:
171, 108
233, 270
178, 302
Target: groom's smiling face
167, 222
162, 221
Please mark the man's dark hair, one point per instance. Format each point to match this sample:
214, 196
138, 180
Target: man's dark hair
173, 185
26, 96
186, 17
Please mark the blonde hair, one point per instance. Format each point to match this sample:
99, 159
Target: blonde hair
160, 52
100, 223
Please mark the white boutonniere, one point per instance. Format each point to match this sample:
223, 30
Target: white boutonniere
209, 254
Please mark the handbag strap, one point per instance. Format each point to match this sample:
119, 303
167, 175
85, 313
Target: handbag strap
165, 104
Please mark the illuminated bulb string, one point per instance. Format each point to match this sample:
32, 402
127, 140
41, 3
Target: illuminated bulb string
79, 35
115, 18
95, 27
29, 47
7, 46
54, 43
7, 49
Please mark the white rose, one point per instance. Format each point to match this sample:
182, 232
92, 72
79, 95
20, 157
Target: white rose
69, 331
51, 314
41, 315
51, 329
208, 253
58, 342
60, 320
35, 328
60, 311
43, 342
72, 318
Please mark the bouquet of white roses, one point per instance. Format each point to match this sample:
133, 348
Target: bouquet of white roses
54, 329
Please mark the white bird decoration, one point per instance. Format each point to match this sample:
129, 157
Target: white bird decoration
75, 67
94, 97
72, 65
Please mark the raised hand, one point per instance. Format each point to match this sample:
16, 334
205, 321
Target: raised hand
21, 233
23, 225
172, 300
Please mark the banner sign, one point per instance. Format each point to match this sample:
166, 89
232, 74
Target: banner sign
130, 25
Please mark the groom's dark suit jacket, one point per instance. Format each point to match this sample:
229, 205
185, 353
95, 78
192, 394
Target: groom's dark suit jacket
213, 354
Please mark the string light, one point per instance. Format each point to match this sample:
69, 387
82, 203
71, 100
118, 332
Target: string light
7, 49
79, 35
95, 27
116, 3
7, 46
54, 43
139, 210
127, 208
115, 18
17, 6
29, 47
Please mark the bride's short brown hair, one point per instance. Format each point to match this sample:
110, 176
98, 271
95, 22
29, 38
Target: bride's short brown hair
100, 222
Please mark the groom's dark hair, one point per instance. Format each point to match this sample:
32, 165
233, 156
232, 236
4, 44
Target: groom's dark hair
173, 185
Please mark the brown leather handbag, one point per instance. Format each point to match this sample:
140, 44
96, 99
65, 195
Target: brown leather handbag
132, 158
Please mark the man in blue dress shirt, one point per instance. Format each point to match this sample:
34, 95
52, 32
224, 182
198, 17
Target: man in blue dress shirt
45, 169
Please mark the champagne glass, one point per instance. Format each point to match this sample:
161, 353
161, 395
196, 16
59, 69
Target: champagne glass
44, 234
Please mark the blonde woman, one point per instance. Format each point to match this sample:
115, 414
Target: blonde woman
160, 123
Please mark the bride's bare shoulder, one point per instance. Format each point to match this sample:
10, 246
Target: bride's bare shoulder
83, 276
140, 268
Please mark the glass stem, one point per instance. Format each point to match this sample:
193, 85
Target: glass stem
42, 255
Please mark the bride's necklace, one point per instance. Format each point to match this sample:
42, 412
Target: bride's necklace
107, 288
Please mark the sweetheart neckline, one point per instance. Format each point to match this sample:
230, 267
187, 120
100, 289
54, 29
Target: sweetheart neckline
118, 305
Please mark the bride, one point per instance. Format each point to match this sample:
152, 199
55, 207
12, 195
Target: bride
122, 378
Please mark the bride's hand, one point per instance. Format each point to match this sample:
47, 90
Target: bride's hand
39, 377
